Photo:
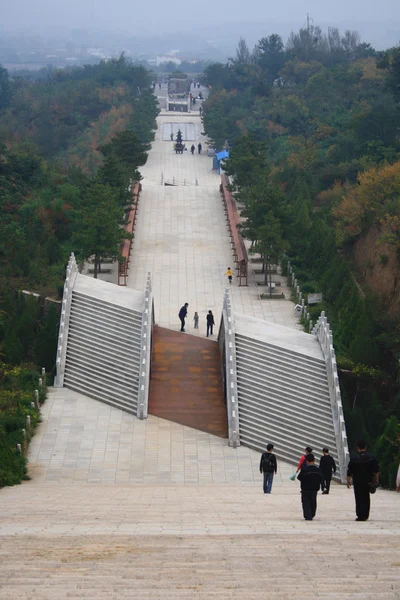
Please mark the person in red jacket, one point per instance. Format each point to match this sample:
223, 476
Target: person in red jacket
302, 462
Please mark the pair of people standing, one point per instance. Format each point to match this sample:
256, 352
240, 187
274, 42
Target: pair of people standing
193, 148
210, 319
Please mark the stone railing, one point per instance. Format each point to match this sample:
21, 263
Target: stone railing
324, 336
300, 308
71, 275
145, 351
227, 336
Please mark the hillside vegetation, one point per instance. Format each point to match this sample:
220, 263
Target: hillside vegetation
313, 131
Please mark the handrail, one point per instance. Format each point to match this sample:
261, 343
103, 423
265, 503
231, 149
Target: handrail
71, 275
145, 352
239, 248
232, 405
126, 245
324, 336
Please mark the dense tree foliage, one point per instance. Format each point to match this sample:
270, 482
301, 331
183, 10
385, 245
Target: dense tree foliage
79, 133
313, 131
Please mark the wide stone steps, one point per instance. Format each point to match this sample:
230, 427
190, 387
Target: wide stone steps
283, 398
103, 351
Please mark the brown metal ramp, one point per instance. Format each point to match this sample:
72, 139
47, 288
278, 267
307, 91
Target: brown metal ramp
185, 385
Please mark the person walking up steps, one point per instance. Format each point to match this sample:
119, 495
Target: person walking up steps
268, 467
310, 478
327, 466
230, 274
199, 148
363, 469
210, 323
192, 148
196, 320
182, 315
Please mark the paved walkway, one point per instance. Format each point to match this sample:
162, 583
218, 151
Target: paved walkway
84, 441
181, 238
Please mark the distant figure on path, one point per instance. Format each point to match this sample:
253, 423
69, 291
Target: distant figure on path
310, 478
363, 469
196, 320
210, 323
199, 148
171, 136
230, 274
200, 110
198, 86
159, 85
192, 148
182, 315
327, 466
268, 467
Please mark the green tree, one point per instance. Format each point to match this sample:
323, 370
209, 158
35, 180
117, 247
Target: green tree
270, 243
5, 89
270, 56
99, 234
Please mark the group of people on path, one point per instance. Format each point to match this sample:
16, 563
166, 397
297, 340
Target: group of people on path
362, 471
199, 148
209, 319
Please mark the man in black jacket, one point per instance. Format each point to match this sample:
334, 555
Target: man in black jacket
327, 466
182, 315
310, 478
210, 323
363, 469
268, 466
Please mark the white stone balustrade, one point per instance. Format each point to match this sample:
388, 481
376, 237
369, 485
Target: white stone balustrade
324, 336
145, 352
71, 274
228, 326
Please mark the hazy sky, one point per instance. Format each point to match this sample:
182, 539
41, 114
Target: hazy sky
171, 15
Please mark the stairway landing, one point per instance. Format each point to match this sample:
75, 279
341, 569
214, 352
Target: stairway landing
185, 385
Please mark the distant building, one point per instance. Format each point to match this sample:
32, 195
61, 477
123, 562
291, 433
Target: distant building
166, 59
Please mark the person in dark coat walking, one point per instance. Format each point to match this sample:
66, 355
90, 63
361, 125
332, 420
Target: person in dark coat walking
182, 315
268, 467
199, 148
192, 148
310, 478
363, 469
210, 323
327, 466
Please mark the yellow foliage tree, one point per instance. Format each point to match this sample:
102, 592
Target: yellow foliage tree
362, 205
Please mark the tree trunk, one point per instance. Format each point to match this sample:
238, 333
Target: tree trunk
270, 278
95, 266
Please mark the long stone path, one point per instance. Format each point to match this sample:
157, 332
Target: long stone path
181, 237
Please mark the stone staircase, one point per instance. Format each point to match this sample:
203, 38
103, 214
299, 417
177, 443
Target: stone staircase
104, 341
103, 351
279, 389
283, 398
